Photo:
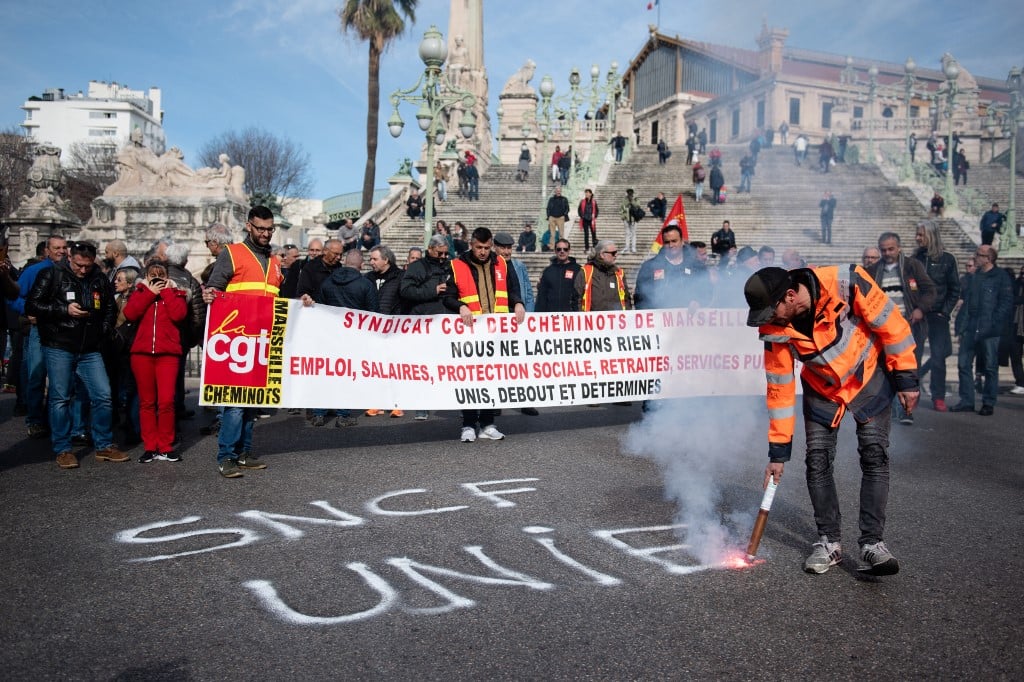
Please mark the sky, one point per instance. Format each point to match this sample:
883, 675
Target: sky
285, 66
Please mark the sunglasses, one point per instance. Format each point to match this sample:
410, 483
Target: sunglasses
561, 250
612, 253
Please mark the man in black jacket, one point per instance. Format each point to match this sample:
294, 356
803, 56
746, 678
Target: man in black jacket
74, 305
988, 304
315, 272
386, 278
558, 213
555, 291
424, 285
942, 268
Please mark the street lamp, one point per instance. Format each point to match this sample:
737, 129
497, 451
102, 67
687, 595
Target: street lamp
1012, 120
872, 94
547, 91
436, 95
952, 72
909, 80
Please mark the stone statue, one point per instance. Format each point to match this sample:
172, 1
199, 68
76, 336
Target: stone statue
406, 167
46, 183
140, 172
458, 64
519, 83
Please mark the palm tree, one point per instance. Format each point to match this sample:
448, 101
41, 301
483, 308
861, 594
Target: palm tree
378, 22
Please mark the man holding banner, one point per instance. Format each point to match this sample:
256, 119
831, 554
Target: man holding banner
484, 284
247, 268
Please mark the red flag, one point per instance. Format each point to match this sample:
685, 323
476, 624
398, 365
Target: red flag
677, 215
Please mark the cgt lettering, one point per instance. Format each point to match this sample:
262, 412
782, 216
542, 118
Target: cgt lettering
240, 352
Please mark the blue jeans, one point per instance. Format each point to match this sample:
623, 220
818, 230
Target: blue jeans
63, 367
872, 444
987, 351
744, 182
235, 436
941, 344
33, 378
474, 188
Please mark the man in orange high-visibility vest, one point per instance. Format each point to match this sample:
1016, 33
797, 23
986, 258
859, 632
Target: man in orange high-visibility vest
248, 268
857, 352
484, 283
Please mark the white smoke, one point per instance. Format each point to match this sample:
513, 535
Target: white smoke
699, 444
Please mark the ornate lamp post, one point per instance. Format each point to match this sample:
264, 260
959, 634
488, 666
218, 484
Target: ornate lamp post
435, 96
575, 100
872, 95
951, 71
909, 81
547, 91
1008, 120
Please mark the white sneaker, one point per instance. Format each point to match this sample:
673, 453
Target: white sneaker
824, 555
421, 416
468, 434
491, 433
1017, 390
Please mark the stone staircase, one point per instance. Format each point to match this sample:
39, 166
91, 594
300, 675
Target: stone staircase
781, 211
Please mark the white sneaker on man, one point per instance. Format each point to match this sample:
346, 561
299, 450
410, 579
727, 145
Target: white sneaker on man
468, 434
1017, 390
491, 433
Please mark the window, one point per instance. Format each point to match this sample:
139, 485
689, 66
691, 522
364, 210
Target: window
654, 132
102, 132
735, 122
760, 113
887, 112
103, 114
28, 114
858, 112
826, 115
713, 130
915, 111
794, 111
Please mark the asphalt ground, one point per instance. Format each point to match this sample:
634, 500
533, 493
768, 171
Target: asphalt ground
551, 582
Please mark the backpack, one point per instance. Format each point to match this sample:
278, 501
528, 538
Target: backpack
636, 213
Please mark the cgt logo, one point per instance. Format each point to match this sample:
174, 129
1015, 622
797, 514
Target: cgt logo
236, 353
240, 352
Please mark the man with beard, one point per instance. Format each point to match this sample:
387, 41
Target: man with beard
315, 272
247, 268
483, 284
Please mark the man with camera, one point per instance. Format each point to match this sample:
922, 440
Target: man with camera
74, 305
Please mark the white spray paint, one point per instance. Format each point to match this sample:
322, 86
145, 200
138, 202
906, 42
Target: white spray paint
492, 495
342, 519
549, 544
131, 537
268, 597
373, 506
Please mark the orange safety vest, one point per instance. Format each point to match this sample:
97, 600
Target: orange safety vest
249, 276
468, 293
588, 276
855, 324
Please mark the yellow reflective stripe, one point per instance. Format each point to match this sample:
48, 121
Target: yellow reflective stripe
246, 286
470, 299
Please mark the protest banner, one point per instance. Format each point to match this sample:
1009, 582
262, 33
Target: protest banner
275, 352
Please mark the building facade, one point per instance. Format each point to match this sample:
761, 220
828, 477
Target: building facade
733, 94
106, 114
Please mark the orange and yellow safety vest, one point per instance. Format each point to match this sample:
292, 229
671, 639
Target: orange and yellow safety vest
588, 276
249, 276
468, 293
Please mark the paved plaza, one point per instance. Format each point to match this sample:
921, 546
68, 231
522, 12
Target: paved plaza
392, 551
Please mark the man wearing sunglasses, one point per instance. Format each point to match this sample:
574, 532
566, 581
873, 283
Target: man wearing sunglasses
74, 304
601, 283
556, 292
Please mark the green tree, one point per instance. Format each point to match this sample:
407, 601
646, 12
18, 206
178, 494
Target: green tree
378, 22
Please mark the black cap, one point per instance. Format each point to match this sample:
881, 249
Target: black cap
629, 191
763, 291
504, 239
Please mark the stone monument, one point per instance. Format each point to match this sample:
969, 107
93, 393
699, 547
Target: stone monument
465, 69
160, 195
44, 211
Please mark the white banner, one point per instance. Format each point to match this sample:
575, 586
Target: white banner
339, 358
